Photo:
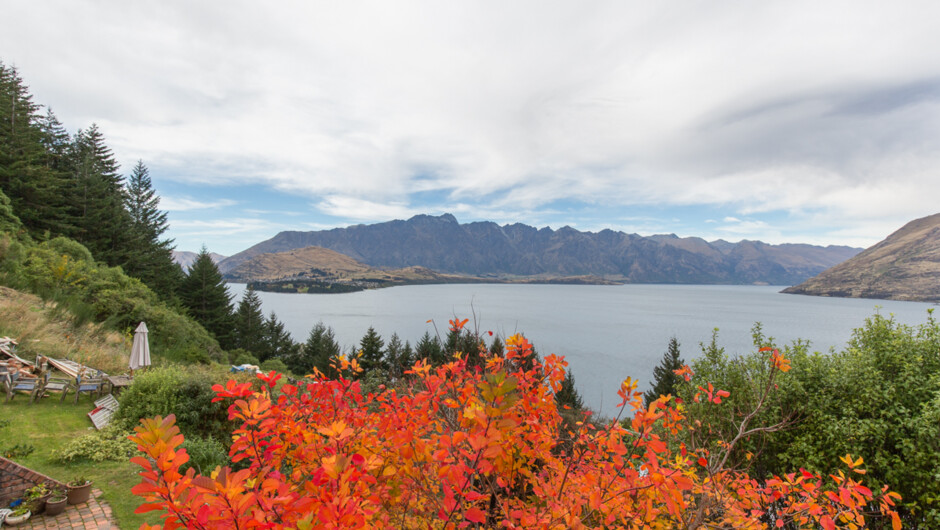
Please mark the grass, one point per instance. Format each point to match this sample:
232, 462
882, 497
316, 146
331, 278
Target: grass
48, 425
40, 328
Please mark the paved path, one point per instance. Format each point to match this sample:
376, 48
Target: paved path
92, 515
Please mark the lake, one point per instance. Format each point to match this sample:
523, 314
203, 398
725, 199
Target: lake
606, 332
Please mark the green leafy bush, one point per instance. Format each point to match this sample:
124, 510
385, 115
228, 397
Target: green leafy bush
173, 389
240, 357
18, 450
878, 398
190, 355
67, 247
205, 454
274, 364
110, 443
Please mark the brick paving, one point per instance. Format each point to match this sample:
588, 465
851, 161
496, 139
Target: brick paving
92, 515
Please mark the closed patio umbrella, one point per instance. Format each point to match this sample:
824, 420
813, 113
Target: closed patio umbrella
140, 351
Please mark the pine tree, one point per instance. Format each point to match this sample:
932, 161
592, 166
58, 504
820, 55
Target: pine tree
249, 323
496, 348
56, 141
568, 394
151, 259
665, 381
398, 356
372, 356
277, 341
465, 342
318, 352
204, 294
55, 210
101, 222
34, 187
430, 350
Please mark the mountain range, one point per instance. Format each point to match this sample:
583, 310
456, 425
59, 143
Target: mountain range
185, 258
486, 249
905, 266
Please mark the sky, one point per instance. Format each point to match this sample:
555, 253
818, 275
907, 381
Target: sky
786, 121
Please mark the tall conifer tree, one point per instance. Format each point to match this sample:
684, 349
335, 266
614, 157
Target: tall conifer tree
568, 394
27, 176
665, 381
150, 257
102, 223
430, 350
371, 346
318, 352
249, 323
277, 341
398, 356
205, 296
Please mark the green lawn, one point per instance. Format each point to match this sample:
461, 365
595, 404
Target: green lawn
47, 426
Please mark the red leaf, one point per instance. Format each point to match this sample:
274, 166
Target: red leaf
475, 515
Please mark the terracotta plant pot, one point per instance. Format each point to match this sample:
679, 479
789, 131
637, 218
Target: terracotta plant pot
36, 506
56, 505
79, 494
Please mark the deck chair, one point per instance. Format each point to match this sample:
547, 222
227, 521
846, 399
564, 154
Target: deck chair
19, 383
53, 383
88, 385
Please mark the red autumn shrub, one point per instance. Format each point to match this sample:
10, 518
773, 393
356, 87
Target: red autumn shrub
458, 447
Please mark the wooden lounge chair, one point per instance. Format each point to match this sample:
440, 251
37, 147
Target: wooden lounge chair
88, 385
18, 383
104, 409
57, 383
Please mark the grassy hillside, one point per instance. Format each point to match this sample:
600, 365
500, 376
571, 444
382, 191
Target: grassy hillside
66, 276
46, 328
904, 266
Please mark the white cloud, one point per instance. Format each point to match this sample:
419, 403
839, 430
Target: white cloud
228, 226
182, 204
744, 228
361, 209
223, 234
826, 111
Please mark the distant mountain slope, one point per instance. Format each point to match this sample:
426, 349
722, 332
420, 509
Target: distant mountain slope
185, 259
905, 266
316, 269
488, 249
292, 263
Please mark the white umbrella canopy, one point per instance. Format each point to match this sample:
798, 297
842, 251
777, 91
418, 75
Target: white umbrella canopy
140, 350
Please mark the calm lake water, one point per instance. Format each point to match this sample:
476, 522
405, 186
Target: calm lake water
606, 332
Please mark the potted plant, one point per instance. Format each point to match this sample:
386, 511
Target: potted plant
19, 515
35, 497
79, 490
56, 502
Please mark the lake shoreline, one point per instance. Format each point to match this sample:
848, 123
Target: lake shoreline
606, 333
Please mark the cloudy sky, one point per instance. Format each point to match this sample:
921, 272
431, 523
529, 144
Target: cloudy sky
784, 121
